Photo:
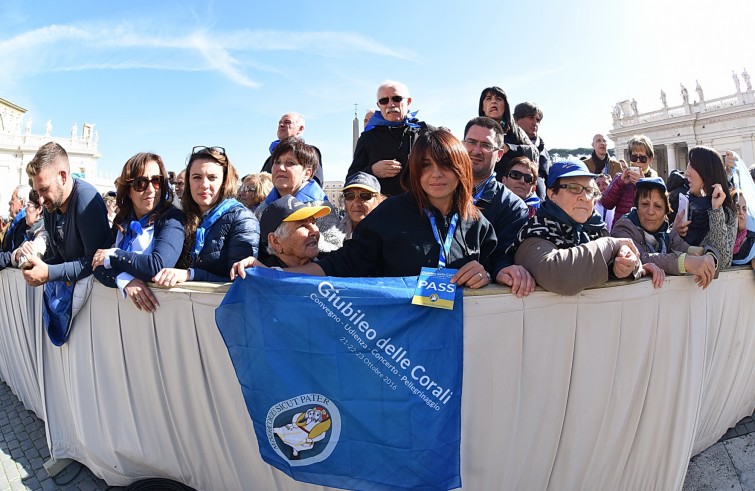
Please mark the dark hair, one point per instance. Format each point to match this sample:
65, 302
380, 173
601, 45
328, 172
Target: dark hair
34, 198
133, 168
522, 161
227, 190
488, 123
645, 191
305, 154
525, 109
707, 162
448, 152
507, 122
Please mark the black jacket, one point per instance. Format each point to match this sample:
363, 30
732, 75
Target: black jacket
508, 213
396, 239
386, 143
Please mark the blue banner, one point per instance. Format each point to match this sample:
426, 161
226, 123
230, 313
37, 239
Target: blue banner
348, 384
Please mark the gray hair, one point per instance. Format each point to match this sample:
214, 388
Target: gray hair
23, 191
282, 233
402, 88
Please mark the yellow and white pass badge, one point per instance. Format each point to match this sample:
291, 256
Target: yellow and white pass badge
434, 288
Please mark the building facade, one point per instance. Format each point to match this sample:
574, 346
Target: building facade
18, 144
724, 123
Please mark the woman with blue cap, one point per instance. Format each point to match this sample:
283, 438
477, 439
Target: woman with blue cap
648, 227
566, 246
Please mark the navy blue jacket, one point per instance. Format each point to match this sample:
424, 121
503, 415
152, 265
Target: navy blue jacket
233, 237
84, 230
167, 243
508, 213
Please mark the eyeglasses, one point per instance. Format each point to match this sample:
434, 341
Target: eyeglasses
31, 204
488, 147
642, 158
200, 149
516, 175
140, 184
247, 189
363, 195
578, 189
396, 98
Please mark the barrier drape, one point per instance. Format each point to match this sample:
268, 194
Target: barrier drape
614, 388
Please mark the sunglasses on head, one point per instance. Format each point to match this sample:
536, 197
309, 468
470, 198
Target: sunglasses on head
363, 195
516, 175
642, 158
396, 98
200, 149
139, 184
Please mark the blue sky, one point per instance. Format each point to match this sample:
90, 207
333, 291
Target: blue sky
165, 76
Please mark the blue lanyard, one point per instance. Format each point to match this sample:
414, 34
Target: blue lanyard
482, 188
445, 247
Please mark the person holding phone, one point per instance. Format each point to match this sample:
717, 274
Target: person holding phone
620, 194
711, 218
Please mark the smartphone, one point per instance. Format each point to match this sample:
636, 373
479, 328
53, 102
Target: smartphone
634, 169
684, 206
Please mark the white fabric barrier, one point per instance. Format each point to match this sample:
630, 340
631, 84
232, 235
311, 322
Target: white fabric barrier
614, 388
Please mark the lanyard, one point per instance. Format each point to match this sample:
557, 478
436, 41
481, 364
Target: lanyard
445, 247
482, 188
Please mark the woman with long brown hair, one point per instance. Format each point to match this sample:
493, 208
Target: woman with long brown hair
219, 230
434, 224
148, 231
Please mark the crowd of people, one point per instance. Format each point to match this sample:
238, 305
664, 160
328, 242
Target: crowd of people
490, 206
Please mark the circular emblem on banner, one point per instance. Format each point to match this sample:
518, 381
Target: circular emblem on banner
303, 430
434, 297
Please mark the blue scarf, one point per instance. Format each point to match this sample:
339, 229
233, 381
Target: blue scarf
533, 201
273, 145
698, 213
19, 216
378, 120
208, 222
661, 236
311, 192
133, 230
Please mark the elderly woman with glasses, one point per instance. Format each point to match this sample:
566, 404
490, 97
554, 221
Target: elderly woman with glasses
148, 231
294, 165
254, 189
435, 224
620, 193
36, 234
648, 227
361, 194
219, 230
565, 246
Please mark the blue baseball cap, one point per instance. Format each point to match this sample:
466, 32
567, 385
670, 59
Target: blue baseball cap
567, 168
656, 182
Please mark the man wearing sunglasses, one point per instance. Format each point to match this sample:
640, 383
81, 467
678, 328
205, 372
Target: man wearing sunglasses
483, 139
75, 218
600, 162
383, 149
292, 124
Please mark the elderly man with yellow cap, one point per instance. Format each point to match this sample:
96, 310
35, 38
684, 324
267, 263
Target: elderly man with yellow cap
361, 195
292, 235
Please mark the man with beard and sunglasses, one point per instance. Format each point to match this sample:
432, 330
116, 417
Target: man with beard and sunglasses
75, 218
383, 148
484, 139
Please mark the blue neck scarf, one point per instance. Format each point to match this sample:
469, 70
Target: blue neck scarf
533, 201
273, 145
132, 231
698, 213
208, 222
310, 192
378, 120
19, 216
